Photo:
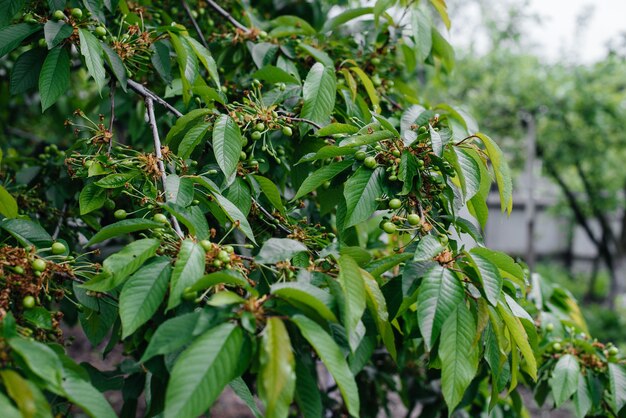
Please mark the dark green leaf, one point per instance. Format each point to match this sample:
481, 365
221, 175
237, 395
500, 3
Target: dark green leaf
122, 228
332, 357
56, 31
306, 294
27, 232
279, 249
617, 380
204, 369
319, 177
489, 276
92, 52
361, 191
54, 78
116, 65
91, 198
272, 74
271, 192
227, 144
192, 139
564, 379
40, 359
142, 294
439, 294
319, 96
178, 190
277, 378
25, 73
459, 355
353, 289
235, 215
12, 36
188, 269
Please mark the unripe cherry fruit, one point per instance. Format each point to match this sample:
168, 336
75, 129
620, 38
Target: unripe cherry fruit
38, 264
287, 131
120, 214
28, 302
395, 203
100, 31
256, 135
360, 155
58, 248
206, 244
369, 162
259, 127
389, 227
77, 13
159, 217
413, 219
58, 15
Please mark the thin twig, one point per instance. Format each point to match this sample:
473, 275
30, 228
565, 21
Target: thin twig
112, 99
296, 119
227, 15
60, 222
149, 94
159, 156
270, 216
195, 24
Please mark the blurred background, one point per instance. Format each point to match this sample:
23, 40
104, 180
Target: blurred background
547, 80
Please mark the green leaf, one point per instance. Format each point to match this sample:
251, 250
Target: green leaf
9, 10
56, 31
205, 57
187, 63
27, 232
8, 409
40, 359
361, 191
407, 170
188, 269
204, 369
564, 381
270, 190
469, 172
117, 267
319, 96
28, 398
92, 52
617, 381
227, 144
235, 215
54, 78
8, 205
116, 64
502, 171
174, 333
178, 190
443, 50
91, 198
300, 293
277, 378
122, 228
221, 277
439, 294
320, 56
12, 36
26, 68
332, 357
442, 9
582, 397
506, 265
192, 139
377, 305
87, 397
353, 289
183, 125
319, 177
192, 217
116, 180
489, 276
437, 141
368, 85
422, 35
345, 17
517, 331
337, 128
243, 391
367, 139
161, 60
279, 249
272, 74
459, 355
142, 294
239, 193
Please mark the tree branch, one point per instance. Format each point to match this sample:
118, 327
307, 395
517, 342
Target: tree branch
149, 94
159, 156
270, 216
227, 15
195, 24
296, 119
112, 99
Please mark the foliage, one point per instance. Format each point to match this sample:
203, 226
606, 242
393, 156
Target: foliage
233, 233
